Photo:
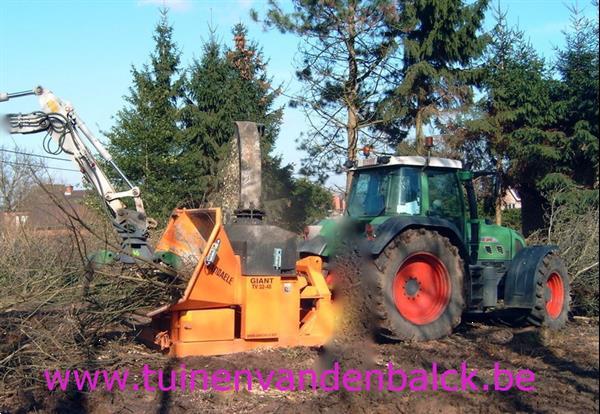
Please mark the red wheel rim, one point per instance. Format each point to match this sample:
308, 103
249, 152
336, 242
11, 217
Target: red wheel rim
556, 299
330, 279
422, 288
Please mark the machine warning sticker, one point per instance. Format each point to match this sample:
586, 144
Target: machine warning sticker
261, 282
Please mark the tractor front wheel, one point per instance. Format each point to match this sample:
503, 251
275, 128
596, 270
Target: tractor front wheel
418, 287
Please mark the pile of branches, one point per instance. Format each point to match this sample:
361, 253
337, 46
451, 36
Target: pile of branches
59, 312
573, 227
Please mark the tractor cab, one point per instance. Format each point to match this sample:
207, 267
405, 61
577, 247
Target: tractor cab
431, 189
409, 186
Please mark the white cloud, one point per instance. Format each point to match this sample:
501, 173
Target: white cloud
176, 5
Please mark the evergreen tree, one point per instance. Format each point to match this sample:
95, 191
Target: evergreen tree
440, 40
208, 126
495, 115
309, 203
577, 65
175, 135
145, 139
516, 121
226, 86
529, 135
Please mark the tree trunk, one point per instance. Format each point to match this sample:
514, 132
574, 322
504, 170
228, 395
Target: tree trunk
498, 208
352, 131
501, 192
419, 132
351, 92
532, 210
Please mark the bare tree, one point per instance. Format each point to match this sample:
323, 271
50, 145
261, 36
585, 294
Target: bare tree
17, 171
345, 58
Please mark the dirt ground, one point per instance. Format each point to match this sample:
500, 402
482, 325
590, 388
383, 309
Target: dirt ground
565, 364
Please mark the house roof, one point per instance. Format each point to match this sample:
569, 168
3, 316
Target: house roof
45, 207
514, 193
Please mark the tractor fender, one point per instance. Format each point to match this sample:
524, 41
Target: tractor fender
387, 231
315, 246
519, 284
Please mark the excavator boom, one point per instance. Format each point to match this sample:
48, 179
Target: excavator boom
60, 120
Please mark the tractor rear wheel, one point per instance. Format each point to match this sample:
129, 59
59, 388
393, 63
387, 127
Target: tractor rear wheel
418, 287
552, 294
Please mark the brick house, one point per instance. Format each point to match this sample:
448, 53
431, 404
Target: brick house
338, 204
511, 199
46, 213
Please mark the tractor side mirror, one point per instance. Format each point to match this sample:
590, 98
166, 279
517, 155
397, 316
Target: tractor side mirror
465, 176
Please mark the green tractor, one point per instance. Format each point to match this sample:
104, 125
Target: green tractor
428, 258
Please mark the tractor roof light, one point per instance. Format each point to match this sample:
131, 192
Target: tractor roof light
428, 147
428, 143
367, 149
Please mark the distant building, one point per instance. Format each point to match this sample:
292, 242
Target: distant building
338, 204
47, 211
511, 199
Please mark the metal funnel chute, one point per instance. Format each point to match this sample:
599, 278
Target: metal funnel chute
250, 171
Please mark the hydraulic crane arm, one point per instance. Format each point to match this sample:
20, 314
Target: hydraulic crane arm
70, 133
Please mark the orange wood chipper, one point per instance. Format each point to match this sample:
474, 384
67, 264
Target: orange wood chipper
248, 288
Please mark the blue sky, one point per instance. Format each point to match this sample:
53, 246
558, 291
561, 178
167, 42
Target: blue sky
83, 51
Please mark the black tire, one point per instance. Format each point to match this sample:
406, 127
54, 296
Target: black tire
540, 315
388, 320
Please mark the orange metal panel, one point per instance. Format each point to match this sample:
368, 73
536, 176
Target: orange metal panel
190, 233
261, 307
183, 349
206, 325
183, 236
311, 268
217, 283
289, 310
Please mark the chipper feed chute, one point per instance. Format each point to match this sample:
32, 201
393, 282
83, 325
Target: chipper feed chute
248, 288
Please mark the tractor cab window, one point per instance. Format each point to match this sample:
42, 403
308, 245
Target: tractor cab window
445, 196
383, 191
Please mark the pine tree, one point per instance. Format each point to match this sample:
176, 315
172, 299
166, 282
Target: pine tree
441, 40
208, 126
226, 86
174, 137
495, 114
577, 65
345, 55
516, 121
145, 138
